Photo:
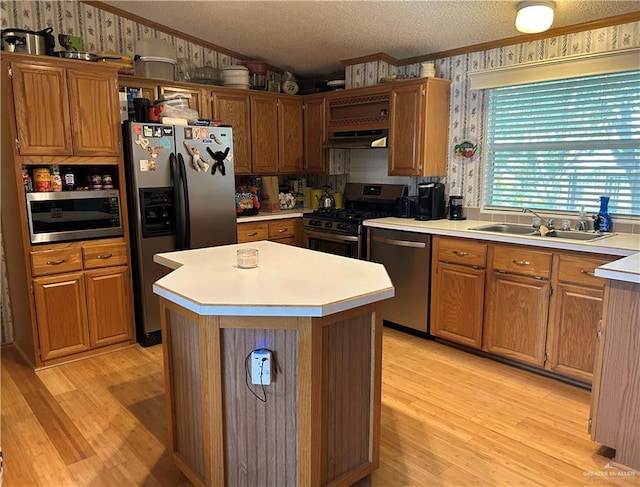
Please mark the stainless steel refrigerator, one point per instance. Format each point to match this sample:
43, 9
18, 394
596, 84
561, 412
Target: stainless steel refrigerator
181, 192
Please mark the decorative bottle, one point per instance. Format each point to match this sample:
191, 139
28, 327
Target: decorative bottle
603, 219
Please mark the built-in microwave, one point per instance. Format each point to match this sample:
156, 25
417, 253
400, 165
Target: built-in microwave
74, 215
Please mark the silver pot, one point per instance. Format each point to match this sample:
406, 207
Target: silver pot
24, 41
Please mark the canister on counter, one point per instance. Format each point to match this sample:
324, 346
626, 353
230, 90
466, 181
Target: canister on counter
42, 179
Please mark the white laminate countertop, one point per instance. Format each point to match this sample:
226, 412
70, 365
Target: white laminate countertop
621, 244
208, 282
274, 215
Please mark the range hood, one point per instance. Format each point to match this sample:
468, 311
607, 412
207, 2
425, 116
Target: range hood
357, 139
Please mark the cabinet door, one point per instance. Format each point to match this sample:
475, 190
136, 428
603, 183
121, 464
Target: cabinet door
110, 306
41, 109
95, 113
143, 87
315, 155
516, 318
199, 100
405, 143
61, 314
264, 133
234, 109
573, 324
290, 138
253, 231
457, 303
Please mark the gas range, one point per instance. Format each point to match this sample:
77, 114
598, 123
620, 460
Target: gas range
340, 231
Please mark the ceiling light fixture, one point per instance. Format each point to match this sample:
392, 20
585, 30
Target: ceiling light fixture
534, 16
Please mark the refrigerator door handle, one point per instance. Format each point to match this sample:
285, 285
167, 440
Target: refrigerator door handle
174, 171
182, 174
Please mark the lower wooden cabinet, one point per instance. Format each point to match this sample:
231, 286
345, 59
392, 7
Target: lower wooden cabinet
82, 298
517, 303
532, 306
109, 306
61, 313
576, 310
285, 230
457, 294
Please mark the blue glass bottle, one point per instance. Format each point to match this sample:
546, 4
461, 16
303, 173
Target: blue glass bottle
603, 219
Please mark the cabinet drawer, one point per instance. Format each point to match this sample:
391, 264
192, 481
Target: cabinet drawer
579, 270
252, 231
461, 251
281, 228
45, 262
515, 260
108, 255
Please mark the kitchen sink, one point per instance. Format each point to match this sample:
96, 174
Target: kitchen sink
525, 230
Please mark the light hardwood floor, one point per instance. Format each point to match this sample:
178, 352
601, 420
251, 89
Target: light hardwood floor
448, 419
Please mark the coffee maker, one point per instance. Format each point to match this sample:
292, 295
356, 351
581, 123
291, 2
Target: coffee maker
455, 208
430, 201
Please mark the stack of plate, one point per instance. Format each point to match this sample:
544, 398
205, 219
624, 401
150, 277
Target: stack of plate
235, 76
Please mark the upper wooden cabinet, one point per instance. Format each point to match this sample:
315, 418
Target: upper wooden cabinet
264, 133
233, 107
199, 98
419, 128
290, 135
276, 133
56, 109
315, 134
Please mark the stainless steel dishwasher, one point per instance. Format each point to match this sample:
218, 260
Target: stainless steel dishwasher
407, 258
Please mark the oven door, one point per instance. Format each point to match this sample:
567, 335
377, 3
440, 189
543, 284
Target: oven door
333, 243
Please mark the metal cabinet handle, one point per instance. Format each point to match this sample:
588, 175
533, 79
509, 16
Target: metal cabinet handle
521, 262
282, 230
56, 262
104, 256
587, 272
252, 234
460, 253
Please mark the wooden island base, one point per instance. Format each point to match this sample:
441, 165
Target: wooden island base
319, 424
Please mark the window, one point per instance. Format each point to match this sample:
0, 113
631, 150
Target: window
560, 145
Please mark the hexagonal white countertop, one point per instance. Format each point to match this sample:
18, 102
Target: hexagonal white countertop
289, 281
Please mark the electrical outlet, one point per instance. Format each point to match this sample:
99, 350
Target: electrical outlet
261, 367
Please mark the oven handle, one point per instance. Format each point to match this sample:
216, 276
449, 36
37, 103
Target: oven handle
400, 243
332, 237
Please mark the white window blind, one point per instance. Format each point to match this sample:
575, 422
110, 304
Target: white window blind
560, 145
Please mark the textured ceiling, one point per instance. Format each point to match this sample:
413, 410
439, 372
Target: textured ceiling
312, 37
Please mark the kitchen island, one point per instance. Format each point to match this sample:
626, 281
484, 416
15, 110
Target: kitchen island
317, 422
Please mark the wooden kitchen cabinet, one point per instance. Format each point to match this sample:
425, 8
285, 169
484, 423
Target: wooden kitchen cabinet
282, 230
315, 134
233, 107
419, 128
276, 134
615, 399
63, 111
576, 310
85, 310
264, 133
517, 304
200, 98
290, 135
457, 295
109, 306
61, 313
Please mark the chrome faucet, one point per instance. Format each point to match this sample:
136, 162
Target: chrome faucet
547, 223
